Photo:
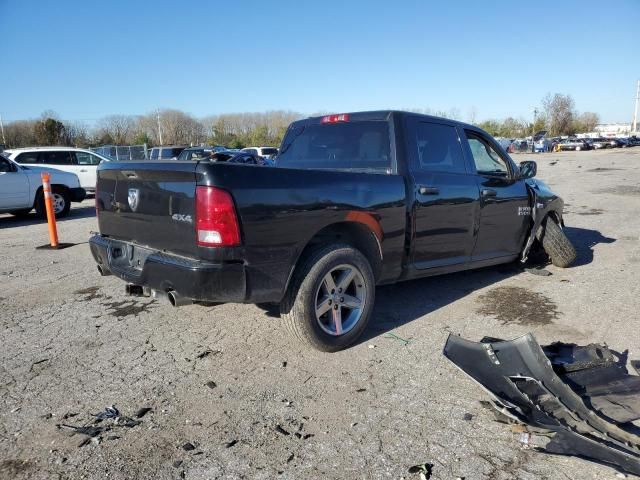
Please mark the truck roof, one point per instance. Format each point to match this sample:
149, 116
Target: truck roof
381, 115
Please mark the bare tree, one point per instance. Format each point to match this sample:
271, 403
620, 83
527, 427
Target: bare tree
20, 133
588, 121
559, 111
117, 127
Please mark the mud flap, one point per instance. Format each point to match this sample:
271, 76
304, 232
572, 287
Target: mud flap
578, 400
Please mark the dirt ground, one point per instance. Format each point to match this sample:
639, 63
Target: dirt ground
232, 397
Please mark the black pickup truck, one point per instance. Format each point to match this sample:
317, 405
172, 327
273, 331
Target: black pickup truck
355, 200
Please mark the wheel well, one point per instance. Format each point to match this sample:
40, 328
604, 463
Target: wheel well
352, 233
38, 193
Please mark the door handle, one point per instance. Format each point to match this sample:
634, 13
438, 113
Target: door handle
83, 171
488, 192
424, 190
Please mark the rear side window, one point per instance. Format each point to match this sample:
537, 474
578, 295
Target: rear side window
84, 158
56, 158
439, 148
154, 153
358, 146
27, 157
251, 150
269, 151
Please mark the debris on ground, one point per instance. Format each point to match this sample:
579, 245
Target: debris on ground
574, 400
108, 412
211, 385
188, 447
101, 424
424, 469
393, 336
281, 430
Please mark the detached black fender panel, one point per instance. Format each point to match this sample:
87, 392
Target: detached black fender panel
582, 397
543, 202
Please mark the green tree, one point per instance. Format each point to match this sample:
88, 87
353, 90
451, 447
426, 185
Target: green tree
49, 131
142, 137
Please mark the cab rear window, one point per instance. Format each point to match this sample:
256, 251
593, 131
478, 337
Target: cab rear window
360, 146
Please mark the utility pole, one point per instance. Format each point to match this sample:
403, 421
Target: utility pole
533, 130
159, 127
4, 142
635, 113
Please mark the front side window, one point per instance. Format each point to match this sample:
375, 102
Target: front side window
362, 146
269, 151
5, 165
57, 158
154, 153
439, 148
485, 157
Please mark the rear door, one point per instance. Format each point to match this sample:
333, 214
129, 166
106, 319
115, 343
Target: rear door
14, 186
504, 200
149, 203
59, 159
446, 201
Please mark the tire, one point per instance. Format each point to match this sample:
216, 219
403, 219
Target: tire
559, 248
310, 292
21, 213
61, 200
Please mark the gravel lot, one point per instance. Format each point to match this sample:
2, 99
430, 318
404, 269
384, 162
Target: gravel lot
232, 397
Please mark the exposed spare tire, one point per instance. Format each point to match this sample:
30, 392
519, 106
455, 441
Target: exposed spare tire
559, 248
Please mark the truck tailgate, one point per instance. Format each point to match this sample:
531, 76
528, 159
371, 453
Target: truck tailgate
149, 203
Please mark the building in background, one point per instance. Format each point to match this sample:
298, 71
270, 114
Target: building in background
613, 129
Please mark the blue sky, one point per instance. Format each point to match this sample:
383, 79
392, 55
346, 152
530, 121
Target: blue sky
86, 59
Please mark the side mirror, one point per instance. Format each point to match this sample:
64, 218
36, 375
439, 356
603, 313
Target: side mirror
528, 169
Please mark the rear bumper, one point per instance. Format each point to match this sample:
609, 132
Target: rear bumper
192, 279
77, 194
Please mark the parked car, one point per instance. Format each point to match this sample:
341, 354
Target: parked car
264, 152
21, 189
356, 200
79, 161
195, 153
576, 144
170, 152
239, 157
598, 143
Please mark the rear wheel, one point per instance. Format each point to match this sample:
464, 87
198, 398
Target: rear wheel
330, 298
61, 203
559, 248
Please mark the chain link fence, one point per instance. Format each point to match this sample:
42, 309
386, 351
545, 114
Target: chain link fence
123, 152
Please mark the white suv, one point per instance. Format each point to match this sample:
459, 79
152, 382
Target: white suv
75, 160
21, 189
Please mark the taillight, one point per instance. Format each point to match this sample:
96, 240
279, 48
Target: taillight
216, 220
341, 117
